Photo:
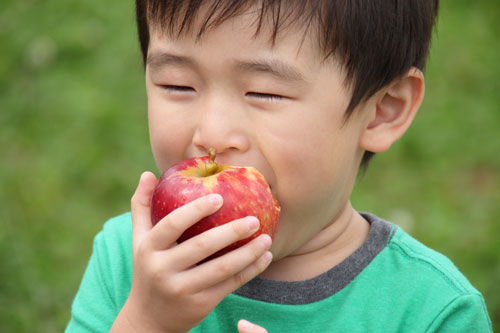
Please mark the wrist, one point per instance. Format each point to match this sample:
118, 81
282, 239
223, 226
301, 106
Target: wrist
131, 319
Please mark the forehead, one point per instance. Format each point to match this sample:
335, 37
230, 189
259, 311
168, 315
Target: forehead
271, 21
292, 56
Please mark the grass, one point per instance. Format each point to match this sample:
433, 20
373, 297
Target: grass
73, 142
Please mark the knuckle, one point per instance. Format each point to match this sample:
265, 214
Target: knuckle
261, 265
239, 279
206, 205
137, 201
225, 268
133, 201
200, 205
257, 249
176, 288
200, 243
155, 274
172, 225
240, 228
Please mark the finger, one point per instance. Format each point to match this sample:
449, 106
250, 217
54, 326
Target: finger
141, 207
171, 227
244, 326
231, 266
229, 285
195, 249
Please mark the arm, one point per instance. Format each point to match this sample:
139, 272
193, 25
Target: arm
170, 293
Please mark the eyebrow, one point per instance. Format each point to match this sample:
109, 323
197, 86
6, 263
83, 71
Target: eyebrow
272, 67
158, 60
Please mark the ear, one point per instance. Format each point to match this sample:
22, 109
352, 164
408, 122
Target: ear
393, 111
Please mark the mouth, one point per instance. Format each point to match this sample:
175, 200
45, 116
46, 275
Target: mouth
222, 163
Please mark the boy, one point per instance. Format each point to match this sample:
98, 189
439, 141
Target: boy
306, 92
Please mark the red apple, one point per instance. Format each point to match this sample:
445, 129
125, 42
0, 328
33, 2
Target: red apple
244, 189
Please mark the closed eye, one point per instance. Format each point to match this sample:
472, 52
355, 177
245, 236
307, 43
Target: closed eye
177, 89
271, 97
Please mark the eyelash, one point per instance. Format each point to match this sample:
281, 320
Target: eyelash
270, 97
183, 89
178, 89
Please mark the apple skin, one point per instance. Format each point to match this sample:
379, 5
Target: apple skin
244, 190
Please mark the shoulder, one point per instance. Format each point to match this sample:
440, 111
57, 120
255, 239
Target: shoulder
116, 234
118, 227
427, 263
406, 266
437, 290
420, 284
113, 247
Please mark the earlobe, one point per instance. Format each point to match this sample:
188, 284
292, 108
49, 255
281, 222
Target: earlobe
393, 111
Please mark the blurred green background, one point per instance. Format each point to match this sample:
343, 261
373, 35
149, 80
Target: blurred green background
73, 142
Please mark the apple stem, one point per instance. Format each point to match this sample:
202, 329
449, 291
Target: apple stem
211, 166
211, 155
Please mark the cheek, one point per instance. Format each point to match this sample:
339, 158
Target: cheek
311, 159
169, 133
307, 172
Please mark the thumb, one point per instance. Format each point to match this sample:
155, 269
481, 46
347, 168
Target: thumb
140, 205
244, 326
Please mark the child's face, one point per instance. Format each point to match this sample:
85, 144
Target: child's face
222, 92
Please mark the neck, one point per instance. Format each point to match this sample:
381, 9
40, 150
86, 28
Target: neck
325, 250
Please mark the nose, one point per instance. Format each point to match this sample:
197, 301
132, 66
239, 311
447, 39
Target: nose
221, 125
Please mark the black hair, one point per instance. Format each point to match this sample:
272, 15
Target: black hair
376, 41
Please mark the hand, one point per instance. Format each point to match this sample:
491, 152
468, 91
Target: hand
170, 293
244, 326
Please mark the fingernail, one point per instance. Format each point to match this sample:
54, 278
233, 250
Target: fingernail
266, 241
215, 200
253, 223
268, 256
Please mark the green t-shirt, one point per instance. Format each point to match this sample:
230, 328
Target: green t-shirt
392, 283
